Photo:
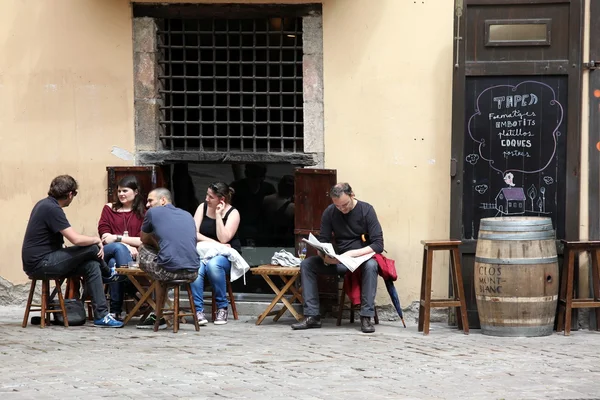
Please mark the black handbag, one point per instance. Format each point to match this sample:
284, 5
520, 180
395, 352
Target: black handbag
75, 312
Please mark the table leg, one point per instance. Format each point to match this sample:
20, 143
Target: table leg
145, 298
279, 294
297, 296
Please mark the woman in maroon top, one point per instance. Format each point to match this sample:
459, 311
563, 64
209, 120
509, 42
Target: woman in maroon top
119, 227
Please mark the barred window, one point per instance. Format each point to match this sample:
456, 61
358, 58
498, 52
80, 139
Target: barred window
231, 85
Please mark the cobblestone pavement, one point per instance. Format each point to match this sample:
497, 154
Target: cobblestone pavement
243, 361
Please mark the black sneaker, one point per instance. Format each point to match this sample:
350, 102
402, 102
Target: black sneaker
148, 323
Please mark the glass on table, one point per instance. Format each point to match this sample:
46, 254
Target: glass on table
132, 264
302, 250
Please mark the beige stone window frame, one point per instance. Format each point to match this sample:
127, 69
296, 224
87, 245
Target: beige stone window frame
147, 102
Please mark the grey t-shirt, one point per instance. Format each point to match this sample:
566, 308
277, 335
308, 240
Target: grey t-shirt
175, 231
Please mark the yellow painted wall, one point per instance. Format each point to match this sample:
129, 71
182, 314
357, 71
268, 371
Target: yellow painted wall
388, 81
66, 95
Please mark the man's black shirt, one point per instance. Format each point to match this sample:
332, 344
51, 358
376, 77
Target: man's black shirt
43, 236
348, 228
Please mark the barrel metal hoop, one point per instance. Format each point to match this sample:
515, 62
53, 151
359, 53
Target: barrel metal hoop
517, 222
513, 299
517, 321
513, 261
519, 228
518, 236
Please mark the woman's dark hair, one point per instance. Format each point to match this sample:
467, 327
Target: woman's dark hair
138, 206
222, 190
61, 186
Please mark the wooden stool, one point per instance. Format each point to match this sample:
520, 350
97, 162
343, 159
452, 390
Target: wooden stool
353, 307
177, 311
231, 301
458, 300
45, 308
568, 283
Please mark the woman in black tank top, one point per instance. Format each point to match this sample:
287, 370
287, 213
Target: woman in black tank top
216, 221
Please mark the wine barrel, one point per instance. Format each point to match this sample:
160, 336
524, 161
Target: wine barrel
516, 276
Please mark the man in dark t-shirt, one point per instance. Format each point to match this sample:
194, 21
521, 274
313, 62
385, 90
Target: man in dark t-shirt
168, 250
43, 254
357, 233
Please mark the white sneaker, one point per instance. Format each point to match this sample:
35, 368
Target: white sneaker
201, 318
221, 317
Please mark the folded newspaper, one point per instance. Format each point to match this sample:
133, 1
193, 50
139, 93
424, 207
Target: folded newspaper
327, 248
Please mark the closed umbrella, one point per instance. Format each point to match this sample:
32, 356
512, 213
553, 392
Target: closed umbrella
389, 284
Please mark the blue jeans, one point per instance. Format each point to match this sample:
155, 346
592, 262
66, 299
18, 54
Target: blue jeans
216, 270
116, 255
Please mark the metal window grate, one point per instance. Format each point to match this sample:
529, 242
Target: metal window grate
231, 85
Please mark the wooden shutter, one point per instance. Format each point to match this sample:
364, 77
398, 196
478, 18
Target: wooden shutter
311, 199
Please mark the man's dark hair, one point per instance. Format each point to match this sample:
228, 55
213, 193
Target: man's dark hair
285, 187
255, 171
339, 189
61, 186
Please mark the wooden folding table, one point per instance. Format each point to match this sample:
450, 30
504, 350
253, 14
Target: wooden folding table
288, 275
145, 293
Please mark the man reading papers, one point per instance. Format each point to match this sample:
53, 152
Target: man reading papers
358, 234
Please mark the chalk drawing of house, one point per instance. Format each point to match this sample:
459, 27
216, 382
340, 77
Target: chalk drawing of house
511, 201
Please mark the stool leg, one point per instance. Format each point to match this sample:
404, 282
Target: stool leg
176, 310
422, 296
562, 296
569, 291
29, 300
453, 281
341, 304
61, 301
596, 284
376, 317
45, 293
188, 287
426, 302
231, 299
213, 307
161, 291
458, 289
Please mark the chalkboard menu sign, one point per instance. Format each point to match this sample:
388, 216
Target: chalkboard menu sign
515, 139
